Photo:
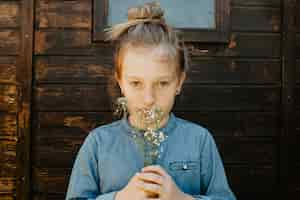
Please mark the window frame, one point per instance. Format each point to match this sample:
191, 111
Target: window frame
220, 34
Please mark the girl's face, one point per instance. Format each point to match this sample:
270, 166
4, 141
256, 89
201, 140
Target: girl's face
148, 79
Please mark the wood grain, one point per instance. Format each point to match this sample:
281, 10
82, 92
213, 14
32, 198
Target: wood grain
63, 14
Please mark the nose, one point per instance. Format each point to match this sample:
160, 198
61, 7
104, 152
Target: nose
149, 97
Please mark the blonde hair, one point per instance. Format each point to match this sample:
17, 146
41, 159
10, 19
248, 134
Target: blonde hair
146, 27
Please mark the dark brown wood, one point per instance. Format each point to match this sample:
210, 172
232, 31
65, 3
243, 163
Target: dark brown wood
287, 137
83, 69
210, 70
7, 188
64, 14
269, 3
8, 126
298, 71
10, 42
298, 16
8, 159
96, 98
247, 18
8, 69
8, 98
50, 181
263, 189
256, 45
236, 124
218, 35
7, 167
63, 42
237, 98
80, 69
24, 80
9, 14
77, 42
298, 44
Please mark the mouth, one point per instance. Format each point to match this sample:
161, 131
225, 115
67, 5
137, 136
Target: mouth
150, 118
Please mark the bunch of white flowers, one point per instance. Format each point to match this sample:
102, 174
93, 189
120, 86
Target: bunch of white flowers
146, 135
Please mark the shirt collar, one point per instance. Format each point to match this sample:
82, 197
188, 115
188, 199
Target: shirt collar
166, 129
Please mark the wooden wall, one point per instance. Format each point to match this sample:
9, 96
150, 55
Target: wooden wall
239, 95
297, 103
9, 52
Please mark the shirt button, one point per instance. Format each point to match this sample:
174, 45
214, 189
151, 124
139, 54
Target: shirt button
184, 166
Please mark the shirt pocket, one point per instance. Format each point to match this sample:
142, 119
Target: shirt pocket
186, 174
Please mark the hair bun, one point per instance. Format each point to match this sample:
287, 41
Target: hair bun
150, 10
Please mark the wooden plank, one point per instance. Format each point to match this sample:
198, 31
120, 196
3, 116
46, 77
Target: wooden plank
8, 125
297, 97
236, 124
257, 45
45, 152
7, 196
231, 124
58, 69
73, 124
9, 14
47, 196
24, 78
262, 19
233, 71
63, 42
71, 98
8, 69
7, 159
274, 3
78, 42
298, 45
298, 71
242, 177
234, 98
47, 181
9, 42
64, 14
90, 98
8, 98
254, 150
7, 185
287, 153
298, 16
82, 69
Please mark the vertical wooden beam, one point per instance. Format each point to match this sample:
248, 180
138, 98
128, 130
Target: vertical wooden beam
287, 137
24, 80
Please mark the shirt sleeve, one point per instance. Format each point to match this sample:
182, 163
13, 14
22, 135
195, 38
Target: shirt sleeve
213, 177
84, 180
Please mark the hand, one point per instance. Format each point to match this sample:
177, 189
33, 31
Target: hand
157, 181
131, 190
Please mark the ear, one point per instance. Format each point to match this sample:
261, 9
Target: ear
119, 82
181, 81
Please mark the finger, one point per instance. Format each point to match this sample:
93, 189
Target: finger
155, 168
152, 177
149, 187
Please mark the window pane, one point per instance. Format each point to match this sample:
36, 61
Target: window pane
178, 13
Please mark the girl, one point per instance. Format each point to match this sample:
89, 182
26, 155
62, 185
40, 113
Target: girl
150, 69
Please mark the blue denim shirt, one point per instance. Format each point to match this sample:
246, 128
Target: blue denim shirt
109, 157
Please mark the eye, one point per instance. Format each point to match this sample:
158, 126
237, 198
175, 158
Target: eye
164, 83
135, 83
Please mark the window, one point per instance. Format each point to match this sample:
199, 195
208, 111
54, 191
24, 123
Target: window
198, 20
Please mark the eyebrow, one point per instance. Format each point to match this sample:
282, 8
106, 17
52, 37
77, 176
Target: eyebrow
160, 77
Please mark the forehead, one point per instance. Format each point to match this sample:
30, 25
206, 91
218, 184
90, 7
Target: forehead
149, 62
